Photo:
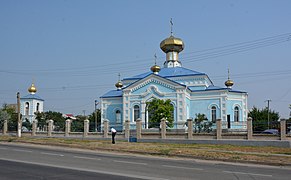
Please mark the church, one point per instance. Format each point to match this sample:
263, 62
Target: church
191, 92
30, 104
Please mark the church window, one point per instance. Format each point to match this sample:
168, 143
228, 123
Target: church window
213, 114
118, 116
136, 112
27, 108
236, 114
37, 107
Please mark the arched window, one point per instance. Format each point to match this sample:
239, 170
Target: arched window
213, 114
118, 116
37, 107
136, 112
27, 108
236, 114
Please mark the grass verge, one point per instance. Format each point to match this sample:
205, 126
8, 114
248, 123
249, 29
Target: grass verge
248, 154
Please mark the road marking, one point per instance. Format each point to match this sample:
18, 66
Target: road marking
3, 148
198, 169
21, 150
129, 162
88, 170
80, 157
253, 174
52, 154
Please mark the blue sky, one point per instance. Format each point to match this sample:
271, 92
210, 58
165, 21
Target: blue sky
74, 49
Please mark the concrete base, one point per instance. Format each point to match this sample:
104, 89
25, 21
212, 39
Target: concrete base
284, 144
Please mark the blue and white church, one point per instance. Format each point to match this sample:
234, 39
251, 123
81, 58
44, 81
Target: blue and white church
30, 104
190, 92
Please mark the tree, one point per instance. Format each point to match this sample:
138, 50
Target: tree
77, 125
57, 117
260, 119
9, 113
3, 116
158, 109
200, 124
91, 118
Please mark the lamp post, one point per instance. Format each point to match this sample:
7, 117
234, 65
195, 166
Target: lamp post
19, 122
96, 104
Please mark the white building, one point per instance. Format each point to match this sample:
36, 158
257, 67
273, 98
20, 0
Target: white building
30, 104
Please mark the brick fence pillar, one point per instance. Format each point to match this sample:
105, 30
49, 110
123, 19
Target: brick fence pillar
105, 128
126, 129
34, 126
138, 128
218, 129
68, 128
249, 128
86, 128
5, 127
190, 128
50, 128
282, 129
163, 128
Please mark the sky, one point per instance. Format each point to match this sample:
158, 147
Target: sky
73, 50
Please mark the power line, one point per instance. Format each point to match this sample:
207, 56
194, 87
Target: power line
201, 55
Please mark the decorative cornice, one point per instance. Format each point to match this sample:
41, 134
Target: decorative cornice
152, 89
150, 81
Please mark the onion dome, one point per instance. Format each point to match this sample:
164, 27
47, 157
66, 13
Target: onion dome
32, 89
172, 44
119, 84
155, 69
229, 83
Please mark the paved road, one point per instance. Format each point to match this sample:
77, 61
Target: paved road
33, 162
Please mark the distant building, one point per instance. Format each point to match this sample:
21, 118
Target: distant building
30, 104
191, 92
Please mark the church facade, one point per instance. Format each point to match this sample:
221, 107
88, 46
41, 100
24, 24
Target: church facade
30, 104
190, 92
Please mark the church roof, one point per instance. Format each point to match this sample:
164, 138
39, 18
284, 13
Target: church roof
112, 93
169, 72
213, 88
32, 96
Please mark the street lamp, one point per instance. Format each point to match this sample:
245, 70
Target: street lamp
96, 104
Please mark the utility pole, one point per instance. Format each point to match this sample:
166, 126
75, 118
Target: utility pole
96, 104
19, 123
268, 101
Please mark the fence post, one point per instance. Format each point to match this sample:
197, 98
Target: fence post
190, 128
138, 128
282, 129
68, 128
34, 126
249, 128
163, 128
105, 128
86, 128
126, 130
50, 128
218, 129
5, 127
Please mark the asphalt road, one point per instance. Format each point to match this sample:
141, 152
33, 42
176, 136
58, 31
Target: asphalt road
34, 162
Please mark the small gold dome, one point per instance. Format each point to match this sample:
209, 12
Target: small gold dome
172, 44
32, 88
119, 85
155, 68
229, 83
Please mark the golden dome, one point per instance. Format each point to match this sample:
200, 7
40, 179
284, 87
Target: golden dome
155, 68
119, 85
32, 88
172, 44
229, 83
